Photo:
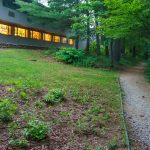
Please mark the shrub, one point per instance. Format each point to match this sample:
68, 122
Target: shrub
87, 61
23, 95
54, 96
7, 109
19, 142
69, 55
36, 129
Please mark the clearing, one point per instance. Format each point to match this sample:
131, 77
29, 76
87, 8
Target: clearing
88, 118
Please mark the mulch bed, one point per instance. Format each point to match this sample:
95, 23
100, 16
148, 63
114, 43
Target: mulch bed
63, 135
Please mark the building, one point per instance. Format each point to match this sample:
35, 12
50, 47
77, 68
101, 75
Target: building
18, 29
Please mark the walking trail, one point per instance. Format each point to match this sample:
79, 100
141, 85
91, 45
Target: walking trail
137, 106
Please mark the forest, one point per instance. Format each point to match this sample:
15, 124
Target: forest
115, 29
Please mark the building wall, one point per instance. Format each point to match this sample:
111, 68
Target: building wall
23, 20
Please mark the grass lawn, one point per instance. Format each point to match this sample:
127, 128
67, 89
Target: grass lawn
88, 118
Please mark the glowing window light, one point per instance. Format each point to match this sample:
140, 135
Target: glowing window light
56, 39
47, 37
71, 41
21, 32
5, 29
35, 35
64, 40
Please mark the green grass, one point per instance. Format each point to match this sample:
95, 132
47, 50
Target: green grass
17, 65
87, 86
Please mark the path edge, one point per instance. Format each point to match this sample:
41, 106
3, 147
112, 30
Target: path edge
123, 115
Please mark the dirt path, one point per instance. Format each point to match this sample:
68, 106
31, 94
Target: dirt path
137, 106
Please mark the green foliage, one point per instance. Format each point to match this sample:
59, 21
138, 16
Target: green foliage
94, 121
23, 95
87, 61
129, 61
69, 55
39, 104
27, 84
11, 89
148, 71
79, 58
19, 142
36, 129
7, 109
54, 96
51, 50
112, 144
99, 148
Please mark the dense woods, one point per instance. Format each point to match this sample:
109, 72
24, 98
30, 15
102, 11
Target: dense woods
110, 27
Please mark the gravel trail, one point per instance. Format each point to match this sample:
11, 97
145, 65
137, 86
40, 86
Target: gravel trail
137, 106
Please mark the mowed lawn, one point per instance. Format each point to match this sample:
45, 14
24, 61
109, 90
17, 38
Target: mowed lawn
87, 91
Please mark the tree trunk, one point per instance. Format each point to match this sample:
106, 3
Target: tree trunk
106, 50
77, 42
97, 37
115, 51
111, 53
134, 51
88, 33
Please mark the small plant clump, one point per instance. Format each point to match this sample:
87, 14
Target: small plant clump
54, 96
112, 144
19, 142
7, 110
23, 95
36, 130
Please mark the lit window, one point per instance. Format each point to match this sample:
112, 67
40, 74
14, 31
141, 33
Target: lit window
47, 37
64, 40
21, 32
71, 41
5, 29
35, 35
56, 39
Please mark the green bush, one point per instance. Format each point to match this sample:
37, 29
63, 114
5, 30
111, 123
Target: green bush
69, 55
79, 58
129, 61
148, 71
7, 109
87, 61
54, 96
36, 130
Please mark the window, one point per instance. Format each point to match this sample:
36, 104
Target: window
21, 32
71, 41
64, 40
35, 35
47, 37
56, 39
5, 29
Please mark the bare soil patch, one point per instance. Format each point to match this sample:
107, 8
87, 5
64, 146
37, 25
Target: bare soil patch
63, 118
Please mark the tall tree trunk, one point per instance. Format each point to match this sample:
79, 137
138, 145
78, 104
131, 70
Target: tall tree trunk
77, 36
115, 51
77, 42
134, 51
111, 53
88, 33
106, 50
97, 36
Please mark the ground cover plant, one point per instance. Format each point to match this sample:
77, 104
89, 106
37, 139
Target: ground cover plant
58, 106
